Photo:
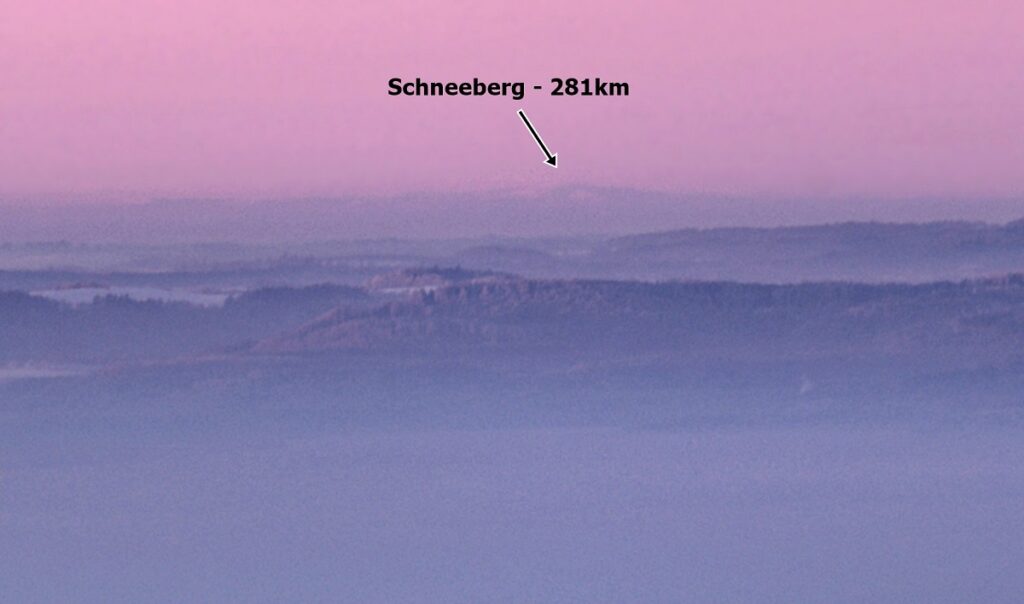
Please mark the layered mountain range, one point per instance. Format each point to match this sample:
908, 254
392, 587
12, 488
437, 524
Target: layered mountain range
418, 330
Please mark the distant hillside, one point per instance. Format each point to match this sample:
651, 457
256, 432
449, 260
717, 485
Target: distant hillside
503, 345
972, 321
865, 252
117, 329
426, 278
872, 252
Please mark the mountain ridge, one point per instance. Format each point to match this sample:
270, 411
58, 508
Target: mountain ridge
950, 318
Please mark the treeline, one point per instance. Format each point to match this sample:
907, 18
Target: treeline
117, 328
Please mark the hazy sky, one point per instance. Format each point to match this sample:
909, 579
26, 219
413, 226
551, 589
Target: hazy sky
246, 98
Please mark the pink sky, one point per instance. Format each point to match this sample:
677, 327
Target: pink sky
754, 98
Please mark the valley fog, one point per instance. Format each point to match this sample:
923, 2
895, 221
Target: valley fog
839, 513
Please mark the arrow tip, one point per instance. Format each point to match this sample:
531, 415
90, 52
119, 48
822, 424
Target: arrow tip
552, 161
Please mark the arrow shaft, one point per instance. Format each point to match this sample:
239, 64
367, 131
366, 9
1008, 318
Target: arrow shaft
536, 137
